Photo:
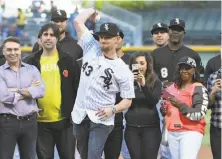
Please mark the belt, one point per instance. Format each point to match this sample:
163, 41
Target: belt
26, 117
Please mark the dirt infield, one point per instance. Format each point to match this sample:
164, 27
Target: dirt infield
205, 153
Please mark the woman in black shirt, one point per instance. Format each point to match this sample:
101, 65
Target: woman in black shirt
143, 135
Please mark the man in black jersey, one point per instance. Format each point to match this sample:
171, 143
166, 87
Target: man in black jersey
165, 58
114, 141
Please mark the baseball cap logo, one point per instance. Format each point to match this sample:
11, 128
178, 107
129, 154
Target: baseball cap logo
106, 26
177, 20
159, 25
191, 61
58, 12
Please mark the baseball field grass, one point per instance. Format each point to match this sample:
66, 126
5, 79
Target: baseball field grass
206, 139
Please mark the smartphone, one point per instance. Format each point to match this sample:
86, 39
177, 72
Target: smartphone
166, 94
135, 68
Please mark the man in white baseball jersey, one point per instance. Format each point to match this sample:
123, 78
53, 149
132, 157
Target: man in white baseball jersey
103, 75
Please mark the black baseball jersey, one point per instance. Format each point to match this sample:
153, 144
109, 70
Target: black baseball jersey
165, 61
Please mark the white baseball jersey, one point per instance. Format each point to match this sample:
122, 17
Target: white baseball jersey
101, 78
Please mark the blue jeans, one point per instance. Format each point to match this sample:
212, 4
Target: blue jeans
20, 131
91, 138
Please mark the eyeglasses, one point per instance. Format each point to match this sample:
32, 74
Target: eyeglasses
10, 50
58, 20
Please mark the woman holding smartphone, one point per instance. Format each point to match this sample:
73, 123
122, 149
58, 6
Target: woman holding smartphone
185, 110
143, 133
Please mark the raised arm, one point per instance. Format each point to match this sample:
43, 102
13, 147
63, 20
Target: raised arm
85, 37
80, 20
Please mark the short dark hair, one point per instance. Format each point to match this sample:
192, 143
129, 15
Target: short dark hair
47, 26
11, 39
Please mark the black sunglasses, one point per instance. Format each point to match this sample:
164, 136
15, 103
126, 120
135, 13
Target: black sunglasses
185, 67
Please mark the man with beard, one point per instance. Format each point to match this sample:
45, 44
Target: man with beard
60, 75
103, 74
160, 34
114, 141
66, 42
165, 58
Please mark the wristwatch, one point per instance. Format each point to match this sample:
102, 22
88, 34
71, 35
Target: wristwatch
20, 90
114, 110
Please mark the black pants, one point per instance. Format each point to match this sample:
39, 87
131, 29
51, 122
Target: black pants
113, 143
23, 132
143, 143
215, 141
55, 133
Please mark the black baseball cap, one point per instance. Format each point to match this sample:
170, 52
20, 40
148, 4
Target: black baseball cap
110, 29
58, 15
188, 61
121, 34
159, 26
177, 23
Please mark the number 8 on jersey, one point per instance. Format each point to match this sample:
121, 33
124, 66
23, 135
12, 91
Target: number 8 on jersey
164, 72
